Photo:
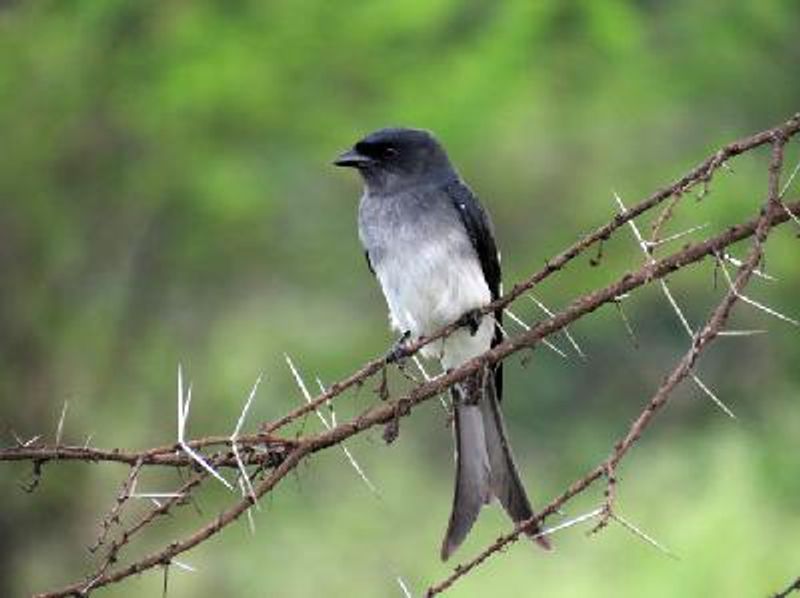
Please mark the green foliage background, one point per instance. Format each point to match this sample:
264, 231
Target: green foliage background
166, 195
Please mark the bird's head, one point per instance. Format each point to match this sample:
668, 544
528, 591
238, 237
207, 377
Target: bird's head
392, 158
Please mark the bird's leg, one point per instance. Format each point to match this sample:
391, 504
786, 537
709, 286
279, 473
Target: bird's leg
468, 391
472, 320
472, 389
399, 350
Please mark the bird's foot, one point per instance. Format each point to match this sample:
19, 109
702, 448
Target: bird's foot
399, 350
472, 320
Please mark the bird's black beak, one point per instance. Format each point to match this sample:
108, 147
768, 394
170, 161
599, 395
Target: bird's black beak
352, 159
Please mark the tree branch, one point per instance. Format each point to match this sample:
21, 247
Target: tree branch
275, 457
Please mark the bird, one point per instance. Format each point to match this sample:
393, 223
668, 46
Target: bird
431, 245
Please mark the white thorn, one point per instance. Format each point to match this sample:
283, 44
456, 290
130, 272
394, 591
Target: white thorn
243, 414
790, 213
738, 263
403, 587
789, 182
643, 246
421, 369
183, 414
639, 533
634, 228
346, 451
33, 439
187, 404
60, 427
676, 236
428, 378
182, 565
755, 303
522, 324
569, 523
244, 478
245, 491
154, 495
180, 401
298, 379
565, 330
768, 310
717, 401
676, 309
740, 332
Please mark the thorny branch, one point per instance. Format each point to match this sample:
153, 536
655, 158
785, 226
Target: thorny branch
274, 456
701, 340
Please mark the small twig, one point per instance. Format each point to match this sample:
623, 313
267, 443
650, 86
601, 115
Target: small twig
663, 218
36, 477
610, 493
113, 515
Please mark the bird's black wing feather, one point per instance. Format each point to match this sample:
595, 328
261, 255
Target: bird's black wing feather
479, 228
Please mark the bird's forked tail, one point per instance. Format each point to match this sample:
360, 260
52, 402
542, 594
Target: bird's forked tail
484, 463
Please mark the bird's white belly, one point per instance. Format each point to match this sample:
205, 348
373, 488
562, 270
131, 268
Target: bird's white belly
432, 285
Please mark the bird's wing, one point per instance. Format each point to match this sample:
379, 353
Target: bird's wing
480, 231
479, 228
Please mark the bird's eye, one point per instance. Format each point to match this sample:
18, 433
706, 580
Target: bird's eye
376, 150
388, 152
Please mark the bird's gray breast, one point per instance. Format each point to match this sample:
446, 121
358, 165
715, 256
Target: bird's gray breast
421, 253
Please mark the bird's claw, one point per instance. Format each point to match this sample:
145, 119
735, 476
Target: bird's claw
472, 320
399, 350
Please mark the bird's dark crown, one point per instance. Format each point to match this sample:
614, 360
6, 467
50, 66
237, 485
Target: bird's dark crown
390, 143
397, 153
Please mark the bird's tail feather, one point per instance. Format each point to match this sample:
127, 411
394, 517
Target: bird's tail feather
484, 464
472, 488
504, 478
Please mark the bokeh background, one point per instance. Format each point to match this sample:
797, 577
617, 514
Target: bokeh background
166, 196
